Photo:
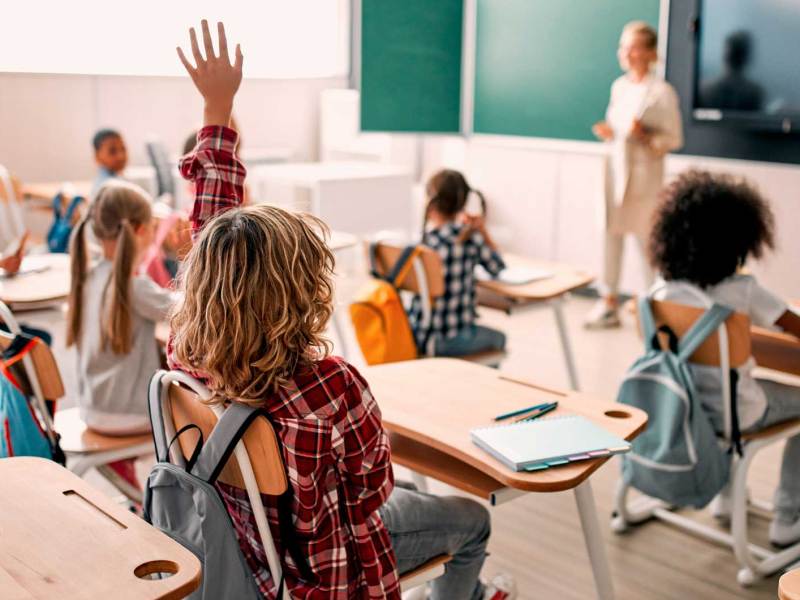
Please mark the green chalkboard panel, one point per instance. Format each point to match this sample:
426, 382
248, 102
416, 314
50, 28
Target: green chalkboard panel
544, 68
411, 65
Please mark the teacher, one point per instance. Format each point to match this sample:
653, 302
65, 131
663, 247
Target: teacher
643, 123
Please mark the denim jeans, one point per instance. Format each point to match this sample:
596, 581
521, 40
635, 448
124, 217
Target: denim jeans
470, 341
422, 526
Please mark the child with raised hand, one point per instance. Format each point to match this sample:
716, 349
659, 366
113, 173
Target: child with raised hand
112, 314
706, 229
463, 243
259, 289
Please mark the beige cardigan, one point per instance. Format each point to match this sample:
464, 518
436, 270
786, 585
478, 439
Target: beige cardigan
635, 173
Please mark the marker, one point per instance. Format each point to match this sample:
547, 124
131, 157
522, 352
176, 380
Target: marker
514, 413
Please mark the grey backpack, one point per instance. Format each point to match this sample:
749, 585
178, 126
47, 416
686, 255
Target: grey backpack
182, 502
678, 458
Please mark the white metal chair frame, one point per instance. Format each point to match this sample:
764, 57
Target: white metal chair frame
755, 561
248, 475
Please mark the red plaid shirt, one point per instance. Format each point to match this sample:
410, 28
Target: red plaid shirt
335, 449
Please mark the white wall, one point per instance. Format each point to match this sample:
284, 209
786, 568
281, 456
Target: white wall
47, 121
547, 195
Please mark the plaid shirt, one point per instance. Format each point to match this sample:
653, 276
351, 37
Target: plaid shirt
336, 452
455, 310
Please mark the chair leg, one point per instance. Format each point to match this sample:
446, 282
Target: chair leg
626, 515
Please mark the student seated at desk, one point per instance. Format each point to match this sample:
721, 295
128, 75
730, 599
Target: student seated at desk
705, 230
112, 315
111, 156
463, 243
258, 289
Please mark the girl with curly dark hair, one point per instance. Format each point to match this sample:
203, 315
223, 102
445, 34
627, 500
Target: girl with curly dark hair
706, 229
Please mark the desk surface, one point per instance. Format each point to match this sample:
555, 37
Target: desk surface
61, 538
430, 405
49, 285
48, 189
564, 279
789, 585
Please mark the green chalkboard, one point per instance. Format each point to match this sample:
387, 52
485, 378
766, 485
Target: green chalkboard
411, 65
544, 68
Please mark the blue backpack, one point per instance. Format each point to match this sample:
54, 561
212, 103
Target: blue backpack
60, 230
678, 458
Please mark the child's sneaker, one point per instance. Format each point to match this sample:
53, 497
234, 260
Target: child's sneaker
501, 587
602, 316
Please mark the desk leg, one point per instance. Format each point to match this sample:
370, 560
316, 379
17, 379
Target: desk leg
594, 541
566, 347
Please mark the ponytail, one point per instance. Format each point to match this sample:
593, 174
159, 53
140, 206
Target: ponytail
117, 329
78, 264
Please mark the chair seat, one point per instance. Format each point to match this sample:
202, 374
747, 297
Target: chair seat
77, 438
425, 572
774, 430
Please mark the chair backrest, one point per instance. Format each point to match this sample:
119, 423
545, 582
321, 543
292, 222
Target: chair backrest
680, 318
12, 222
387, 255
260, 441
159, 157
44, 365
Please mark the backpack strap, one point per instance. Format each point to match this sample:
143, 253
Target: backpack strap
647, 322
223, 439
73, 205
57, 203
155, 409
400, 268
707, 324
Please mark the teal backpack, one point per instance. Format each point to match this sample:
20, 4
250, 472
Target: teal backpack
678, 458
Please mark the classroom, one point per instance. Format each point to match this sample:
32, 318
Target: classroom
356, 299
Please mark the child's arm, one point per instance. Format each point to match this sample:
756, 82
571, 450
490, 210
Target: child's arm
217, 173
488, 254
367, 457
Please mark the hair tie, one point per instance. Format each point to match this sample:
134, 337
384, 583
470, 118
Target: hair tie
122, 223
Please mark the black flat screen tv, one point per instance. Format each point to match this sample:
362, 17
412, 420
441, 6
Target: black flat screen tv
747, 64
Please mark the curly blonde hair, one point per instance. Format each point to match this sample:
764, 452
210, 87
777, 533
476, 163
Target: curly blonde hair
258, 294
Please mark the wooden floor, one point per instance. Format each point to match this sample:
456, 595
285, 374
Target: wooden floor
538, 538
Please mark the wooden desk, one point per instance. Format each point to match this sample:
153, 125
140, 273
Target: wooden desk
27, 291
44, 192
429, 406
789, 585
550, 291
63, 539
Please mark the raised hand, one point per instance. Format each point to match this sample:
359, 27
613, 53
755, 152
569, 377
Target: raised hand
215, 77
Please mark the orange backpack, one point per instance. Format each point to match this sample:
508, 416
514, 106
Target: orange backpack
379, 319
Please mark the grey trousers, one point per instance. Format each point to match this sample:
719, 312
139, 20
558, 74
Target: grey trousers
422, 526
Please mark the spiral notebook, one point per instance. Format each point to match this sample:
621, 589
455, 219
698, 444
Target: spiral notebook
547, 442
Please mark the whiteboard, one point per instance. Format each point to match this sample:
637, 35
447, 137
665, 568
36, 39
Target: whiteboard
281, 39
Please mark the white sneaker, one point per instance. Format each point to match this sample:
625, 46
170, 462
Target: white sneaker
602, 316
501, 587
721, 505
784, 534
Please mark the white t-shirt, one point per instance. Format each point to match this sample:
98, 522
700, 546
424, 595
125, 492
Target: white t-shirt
743, 294
113, 387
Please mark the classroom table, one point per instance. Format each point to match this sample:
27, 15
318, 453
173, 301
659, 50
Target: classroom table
43, 280
789, 585
429, 406
361, 197
45, 191
63, 539
550, 291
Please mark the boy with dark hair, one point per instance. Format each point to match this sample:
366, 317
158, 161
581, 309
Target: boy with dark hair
110, 154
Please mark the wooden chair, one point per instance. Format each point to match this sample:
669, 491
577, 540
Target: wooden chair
730, 348
84, 448
12, 222
426, 279
256, 465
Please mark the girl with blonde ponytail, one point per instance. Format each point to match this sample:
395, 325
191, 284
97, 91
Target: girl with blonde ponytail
113, 312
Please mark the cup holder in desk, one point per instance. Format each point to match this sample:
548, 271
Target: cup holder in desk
617, 414
156, 569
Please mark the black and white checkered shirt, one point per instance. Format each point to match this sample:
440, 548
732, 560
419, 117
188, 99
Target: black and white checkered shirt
455, 310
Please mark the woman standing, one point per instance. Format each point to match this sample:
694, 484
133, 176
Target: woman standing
643, 123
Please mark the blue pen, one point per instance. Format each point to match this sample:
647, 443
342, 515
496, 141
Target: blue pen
514, 413
539, 413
